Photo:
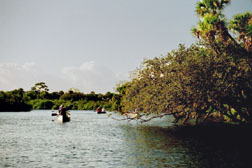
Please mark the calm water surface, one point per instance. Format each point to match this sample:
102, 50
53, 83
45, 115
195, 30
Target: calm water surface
33, 139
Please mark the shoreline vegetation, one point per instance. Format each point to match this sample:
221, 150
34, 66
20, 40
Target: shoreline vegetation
210, 81
39, 97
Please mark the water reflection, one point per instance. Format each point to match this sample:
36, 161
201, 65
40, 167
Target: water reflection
203, 146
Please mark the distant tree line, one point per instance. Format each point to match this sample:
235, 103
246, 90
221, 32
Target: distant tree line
39, 97
211, 80
13, 101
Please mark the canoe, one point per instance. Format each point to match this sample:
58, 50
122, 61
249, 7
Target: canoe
62, 119
101, 112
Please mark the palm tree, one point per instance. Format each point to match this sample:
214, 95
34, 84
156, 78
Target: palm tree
242, 25
210, 6
212, 25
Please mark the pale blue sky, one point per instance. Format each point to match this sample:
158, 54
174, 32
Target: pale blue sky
90, 44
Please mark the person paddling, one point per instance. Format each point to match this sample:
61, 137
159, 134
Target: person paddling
60, 109
98, 109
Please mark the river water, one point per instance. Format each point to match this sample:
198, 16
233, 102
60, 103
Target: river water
36, 139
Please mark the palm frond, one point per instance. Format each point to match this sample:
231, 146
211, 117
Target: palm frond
201, 9
240, 22
249, 30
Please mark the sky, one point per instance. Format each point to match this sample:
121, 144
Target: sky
91, 45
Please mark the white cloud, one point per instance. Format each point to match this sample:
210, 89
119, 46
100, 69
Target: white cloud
91, 76
14, 76
87, 77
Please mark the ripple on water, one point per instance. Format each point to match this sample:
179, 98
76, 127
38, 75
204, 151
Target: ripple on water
90, 140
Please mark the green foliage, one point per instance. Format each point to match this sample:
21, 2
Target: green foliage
40, 87
241, 24
211, 27
212, 79
13, 101
73, 96
193, 83
41, 104
210, 6
39, 98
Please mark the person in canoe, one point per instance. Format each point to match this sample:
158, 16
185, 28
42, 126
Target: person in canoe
103, 110
98, 109
63, 115
62, 110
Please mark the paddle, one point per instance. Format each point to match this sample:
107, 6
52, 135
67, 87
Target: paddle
54, 114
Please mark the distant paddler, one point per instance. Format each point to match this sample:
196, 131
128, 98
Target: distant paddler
63, 116
100, 110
